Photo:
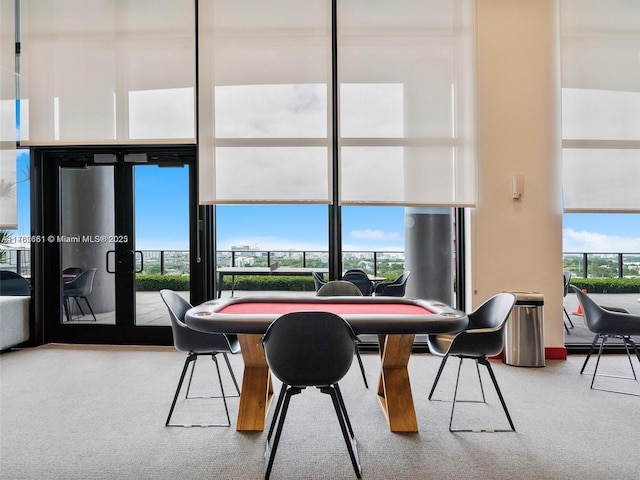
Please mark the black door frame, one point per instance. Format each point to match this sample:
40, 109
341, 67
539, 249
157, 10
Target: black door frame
46, 256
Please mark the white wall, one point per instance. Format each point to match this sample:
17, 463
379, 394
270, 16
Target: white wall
516, 245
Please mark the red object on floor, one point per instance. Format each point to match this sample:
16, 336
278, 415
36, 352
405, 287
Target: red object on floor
579, 310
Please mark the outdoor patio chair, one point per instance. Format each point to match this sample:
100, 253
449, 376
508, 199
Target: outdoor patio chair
606, 323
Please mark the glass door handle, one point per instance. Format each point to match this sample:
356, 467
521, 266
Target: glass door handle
109, 253
139, 252
133, 254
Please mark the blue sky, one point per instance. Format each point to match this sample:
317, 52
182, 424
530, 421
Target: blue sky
161, 219
601, 233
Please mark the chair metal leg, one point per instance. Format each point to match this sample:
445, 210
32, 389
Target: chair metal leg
345, 426
223, 395
455, 395
193, 357
193, 368
86, 300
435, 382
486, 363
233, 377
626, 347
593, 345
79, 306
627, 340
224, 399
280, 413
276, 411
190, 358
635, 347
595, 370
279, 417
364, 377
568, 317
484, 400
66, 308
344, 409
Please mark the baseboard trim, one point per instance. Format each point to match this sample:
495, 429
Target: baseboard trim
555, 353
550, 353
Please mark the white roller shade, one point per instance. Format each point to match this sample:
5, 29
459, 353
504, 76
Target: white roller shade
100, 71
601, 105
8, 193
264, 96
407, 97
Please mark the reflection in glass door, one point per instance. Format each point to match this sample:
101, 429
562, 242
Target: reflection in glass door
161, 238
87, 234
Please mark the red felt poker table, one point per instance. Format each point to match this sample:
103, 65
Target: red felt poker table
395, 320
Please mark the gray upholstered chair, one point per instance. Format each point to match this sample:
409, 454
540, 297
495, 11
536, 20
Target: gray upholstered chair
342, 288
483, 338
195, 344
339, 288
79, 288
309, 349
396, 288
606, 323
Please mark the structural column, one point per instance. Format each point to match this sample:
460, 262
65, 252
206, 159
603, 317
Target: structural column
429, 253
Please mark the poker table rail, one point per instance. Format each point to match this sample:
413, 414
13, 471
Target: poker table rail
383, 315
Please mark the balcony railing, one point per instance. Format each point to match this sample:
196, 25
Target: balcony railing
379, 263
602, 265
176, 262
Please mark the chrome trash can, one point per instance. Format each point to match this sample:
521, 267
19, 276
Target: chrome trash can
524, 331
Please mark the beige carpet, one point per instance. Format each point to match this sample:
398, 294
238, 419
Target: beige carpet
98, 413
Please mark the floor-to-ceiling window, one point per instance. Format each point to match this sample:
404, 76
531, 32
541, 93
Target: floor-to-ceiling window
600, 42
362, 107
306, 108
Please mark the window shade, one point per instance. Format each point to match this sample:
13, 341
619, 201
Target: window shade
100, 71
264, 91
407, 96
8, 194
601, 105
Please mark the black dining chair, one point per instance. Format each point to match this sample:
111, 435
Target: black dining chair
78, 289
484, 337
342, 288
13, 284
75, 271
395, 288
195, 344
309, 349
606, 323
318, 280
69, 273
360, 279
339, 288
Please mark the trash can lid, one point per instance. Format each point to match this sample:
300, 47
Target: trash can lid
529, 298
